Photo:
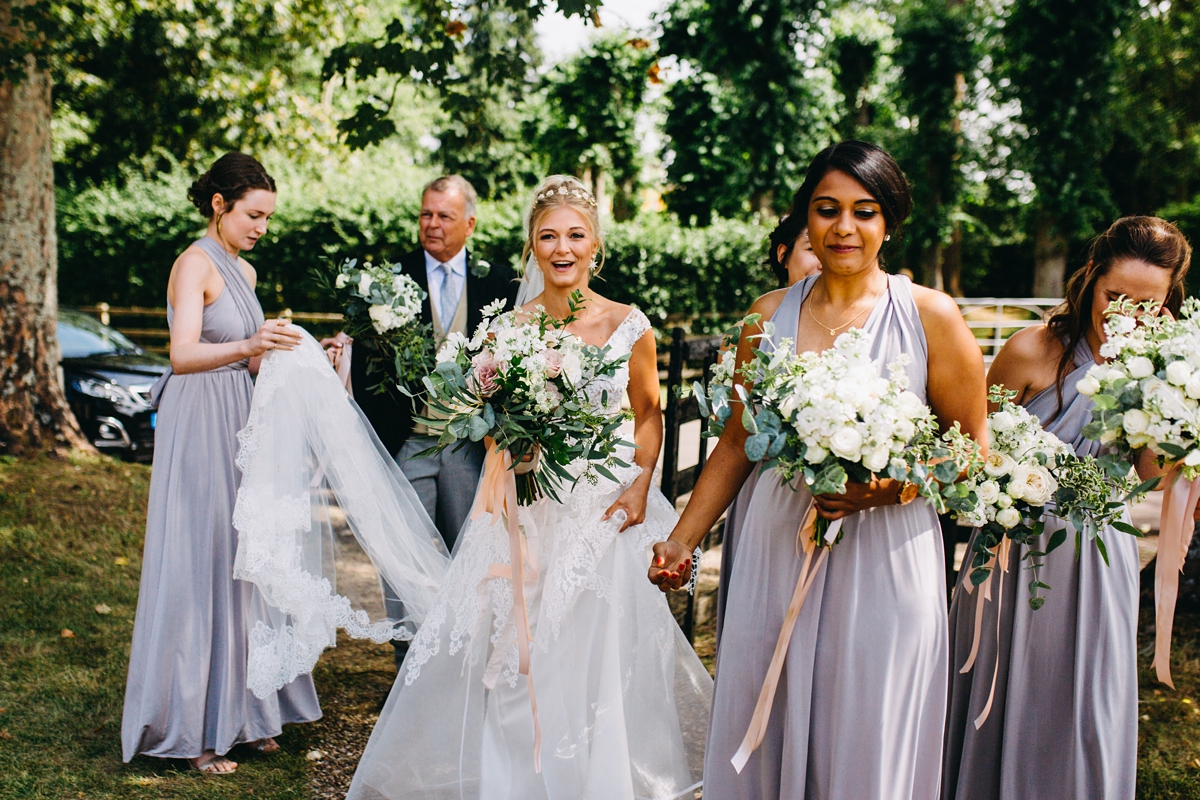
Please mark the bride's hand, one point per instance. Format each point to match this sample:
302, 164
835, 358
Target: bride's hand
335, 347
858, 497
633, 502
671, 566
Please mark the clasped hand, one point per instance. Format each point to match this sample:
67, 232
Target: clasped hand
275, 334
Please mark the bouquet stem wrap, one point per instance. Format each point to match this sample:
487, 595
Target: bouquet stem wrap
1175, 531
498, 496
1000, 559
766, 696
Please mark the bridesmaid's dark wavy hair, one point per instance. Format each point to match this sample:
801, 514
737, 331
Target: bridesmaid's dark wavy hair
786, 233
1149, 239
231, 176
868, 164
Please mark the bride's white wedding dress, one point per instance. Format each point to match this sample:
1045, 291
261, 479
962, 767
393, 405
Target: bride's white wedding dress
622, 698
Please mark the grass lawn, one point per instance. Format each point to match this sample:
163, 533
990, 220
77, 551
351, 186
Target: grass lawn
70, 555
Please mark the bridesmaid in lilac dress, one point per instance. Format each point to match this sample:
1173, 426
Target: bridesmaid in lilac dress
860, 708
186, 694
1063, 719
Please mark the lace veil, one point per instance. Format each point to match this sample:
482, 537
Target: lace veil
326, 523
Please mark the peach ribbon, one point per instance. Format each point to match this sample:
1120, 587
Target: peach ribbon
766, 696
498, 496
999, 560
343, 368
1175, 529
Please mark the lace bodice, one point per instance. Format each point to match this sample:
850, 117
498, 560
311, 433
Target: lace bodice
620, 343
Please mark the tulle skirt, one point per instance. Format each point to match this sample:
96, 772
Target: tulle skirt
623, 701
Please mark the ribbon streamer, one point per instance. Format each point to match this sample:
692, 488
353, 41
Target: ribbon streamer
343, 368
766, 696
1175, 529
999, 560
498, 496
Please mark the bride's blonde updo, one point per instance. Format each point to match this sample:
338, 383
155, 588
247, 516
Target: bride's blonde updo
556, 192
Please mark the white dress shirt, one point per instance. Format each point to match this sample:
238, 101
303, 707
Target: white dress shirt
458, 278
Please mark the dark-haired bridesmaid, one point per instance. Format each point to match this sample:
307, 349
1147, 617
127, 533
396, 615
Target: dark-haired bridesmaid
186, 694
1063, 716
860, 708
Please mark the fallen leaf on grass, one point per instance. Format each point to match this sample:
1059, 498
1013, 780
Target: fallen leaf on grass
67, 633
120, 561
103, 609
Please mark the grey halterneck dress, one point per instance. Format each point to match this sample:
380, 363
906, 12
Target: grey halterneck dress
861, 704
186, 692
1063, 723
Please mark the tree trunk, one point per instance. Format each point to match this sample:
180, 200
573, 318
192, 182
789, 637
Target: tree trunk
931, 272
34, 416
952, 264
1049, 259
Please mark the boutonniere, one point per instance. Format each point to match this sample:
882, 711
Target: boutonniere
478, 267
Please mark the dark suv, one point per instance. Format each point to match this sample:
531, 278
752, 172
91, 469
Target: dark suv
107, 379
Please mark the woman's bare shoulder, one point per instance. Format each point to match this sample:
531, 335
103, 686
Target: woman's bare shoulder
769, 303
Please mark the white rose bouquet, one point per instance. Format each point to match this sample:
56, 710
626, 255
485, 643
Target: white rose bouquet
1147, 395
829, 417
1029, 472
383, 314
530, 386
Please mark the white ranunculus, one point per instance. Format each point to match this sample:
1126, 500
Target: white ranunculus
1008, 518
988, 492
1113, 374
1087, 386
1192, 459
1032, 483
364, 284
1004, 501
1135, 421
877, 459
1178, 373
1001, 421
1140, 367
815, 454
998, 464
846, 443
383, 319
341, 280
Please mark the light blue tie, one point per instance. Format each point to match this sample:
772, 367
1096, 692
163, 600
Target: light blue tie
448, 299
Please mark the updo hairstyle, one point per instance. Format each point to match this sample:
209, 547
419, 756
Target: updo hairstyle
868, 164
559, 191
1149, 239
232, 176
786, 234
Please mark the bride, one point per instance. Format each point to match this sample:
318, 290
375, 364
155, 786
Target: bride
618, 694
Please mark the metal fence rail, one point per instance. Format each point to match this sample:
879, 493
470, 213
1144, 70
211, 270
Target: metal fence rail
994, 319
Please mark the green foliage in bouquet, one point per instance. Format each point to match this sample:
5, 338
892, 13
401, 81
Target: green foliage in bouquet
531, 386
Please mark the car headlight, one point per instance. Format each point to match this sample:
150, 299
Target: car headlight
116, 394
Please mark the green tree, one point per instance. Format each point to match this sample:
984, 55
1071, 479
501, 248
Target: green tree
1058, 59
589, 125
743, 117
934, 52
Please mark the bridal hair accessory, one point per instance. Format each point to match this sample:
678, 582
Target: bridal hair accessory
563, 191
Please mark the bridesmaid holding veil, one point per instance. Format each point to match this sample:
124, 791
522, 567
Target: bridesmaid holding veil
860, 708
186, 694
1062, 680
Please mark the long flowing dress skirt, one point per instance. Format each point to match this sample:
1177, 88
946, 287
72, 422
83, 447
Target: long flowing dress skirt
186, 691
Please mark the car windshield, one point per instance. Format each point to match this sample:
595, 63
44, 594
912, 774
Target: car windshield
80, 336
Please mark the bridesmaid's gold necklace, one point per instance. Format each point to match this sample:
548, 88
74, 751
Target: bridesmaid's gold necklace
857, 314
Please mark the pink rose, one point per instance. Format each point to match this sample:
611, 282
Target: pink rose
554, 363
484, 373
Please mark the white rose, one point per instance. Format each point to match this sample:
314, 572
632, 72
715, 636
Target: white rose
1004, 501
1192, 387
846, 443
1192, 459
382, 318
1087, 386
364, 284
1032, 483
1109, 435
815, 454
1178, 373
1140, 367
998, 464
1008, 518
1135, 421
877, 459
988, 492
1002, 421
342, 280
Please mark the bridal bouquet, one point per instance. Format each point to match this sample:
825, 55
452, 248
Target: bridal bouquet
1029, 472
829, 417
533, 388
1148, 393
383, 311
